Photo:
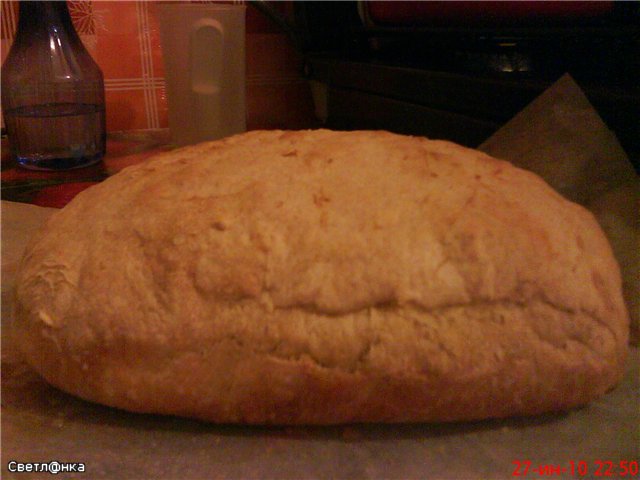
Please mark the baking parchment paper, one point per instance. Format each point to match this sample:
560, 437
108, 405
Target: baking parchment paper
561, 137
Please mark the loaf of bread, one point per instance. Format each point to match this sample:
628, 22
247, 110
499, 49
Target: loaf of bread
321, 277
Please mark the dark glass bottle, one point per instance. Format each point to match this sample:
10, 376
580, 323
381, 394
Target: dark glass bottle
52, 92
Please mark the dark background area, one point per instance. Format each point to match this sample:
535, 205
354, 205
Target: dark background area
459, 70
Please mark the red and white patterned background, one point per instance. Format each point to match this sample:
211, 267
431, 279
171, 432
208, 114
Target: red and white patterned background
123, 38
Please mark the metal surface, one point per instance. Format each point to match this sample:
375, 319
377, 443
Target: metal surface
40, 424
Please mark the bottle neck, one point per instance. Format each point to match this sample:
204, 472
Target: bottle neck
38, 17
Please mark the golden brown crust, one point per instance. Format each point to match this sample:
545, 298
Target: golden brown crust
324, 277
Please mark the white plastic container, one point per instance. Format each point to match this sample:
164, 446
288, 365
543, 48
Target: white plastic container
203, 47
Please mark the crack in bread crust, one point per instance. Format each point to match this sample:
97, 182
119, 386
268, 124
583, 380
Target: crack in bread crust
472, 357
